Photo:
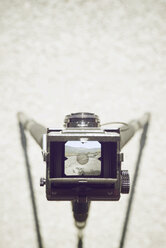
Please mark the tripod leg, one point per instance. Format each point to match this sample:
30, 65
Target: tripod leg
80, 239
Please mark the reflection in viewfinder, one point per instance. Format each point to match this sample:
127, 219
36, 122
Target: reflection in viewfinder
82, 158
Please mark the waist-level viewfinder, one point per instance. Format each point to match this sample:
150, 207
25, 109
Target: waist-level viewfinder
84, 160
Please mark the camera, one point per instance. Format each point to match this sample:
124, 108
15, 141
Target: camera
83, 161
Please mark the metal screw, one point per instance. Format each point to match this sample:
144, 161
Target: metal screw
44, 156
42, 181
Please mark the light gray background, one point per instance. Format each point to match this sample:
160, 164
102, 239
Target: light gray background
58, 57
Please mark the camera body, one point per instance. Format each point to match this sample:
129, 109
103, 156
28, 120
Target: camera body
83, 161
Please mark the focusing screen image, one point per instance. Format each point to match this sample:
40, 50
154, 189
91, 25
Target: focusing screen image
82, 158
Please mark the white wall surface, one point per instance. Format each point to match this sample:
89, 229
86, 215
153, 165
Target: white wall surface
106, 57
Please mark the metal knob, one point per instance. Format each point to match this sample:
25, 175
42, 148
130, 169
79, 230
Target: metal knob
125, 184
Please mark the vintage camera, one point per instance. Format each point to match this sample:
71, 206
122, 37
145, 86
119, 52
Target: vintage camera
83, 161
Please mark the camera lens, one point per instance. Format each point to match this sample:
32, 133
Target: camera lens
82, 119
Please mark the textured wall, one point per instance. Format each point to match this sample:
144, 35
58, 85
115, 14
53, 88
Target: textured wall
58, 57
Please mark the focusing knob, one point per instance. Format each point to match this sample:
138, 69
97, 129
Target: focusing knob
125, 185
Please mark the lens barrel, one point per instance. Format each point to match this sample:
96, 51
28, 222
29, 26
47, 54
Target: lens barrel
81, 120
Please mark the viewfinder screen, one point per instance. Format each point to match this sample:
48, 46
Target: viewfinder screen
82, 158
